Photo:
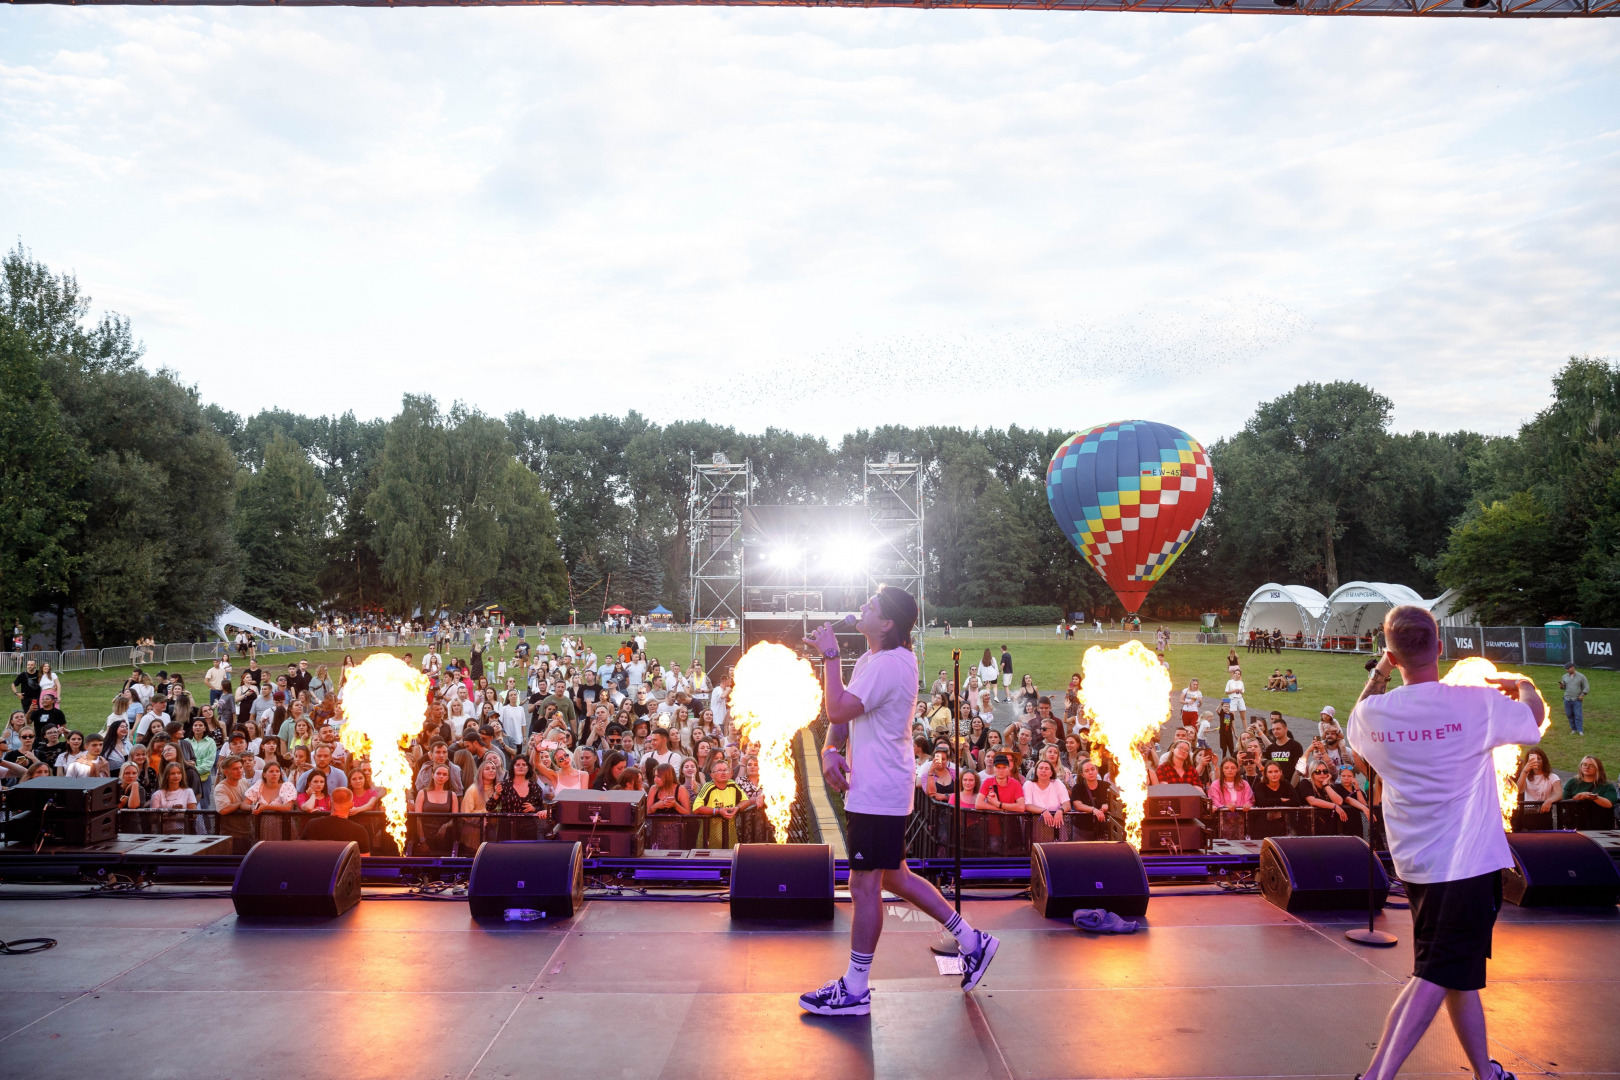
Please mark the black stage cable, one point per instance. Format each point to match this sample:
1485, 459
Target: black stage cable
33, 945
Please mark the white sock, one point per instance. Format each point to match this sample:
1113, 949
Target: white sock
966, 936
860, 968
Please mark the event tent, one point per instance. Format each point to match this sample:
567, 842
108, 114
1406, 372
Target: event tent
241, 620
1293, 609
1358, 607
617, 609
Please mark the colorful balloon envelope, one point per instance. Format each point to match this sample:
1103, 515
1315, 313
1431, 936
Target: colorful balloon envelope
1130, 496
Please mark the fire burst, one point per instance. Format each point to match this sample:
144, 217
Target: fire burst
384, 701
776, 694
1127, 702
1473, 671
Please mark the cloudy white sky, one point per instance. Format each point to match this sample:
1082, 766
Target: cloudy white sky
827, 219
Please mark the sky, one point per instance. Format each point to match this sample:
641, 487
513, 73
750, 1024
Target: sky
825, 220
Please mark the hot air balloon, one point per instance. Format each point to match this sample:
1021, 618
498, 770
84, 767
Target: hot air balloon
1129, 496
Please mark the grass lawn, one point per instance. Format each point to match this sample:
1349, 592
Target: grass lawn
1324, 678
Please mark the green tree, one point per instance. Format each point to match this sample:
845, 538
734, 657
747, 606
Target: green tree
1495, 561
40, 471
281, 514
1303, 468
154, 552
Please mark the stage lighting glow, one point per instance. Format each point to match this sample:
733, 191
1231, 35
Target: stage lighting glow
775, 694
384, 702
845, 557
1473, 671
1127, 702
784, 556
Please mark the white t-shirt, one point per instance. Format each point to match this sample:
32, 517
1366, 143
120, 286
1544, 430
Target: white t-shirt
1234, 690
1055, 797
1432, 745
882, 761
1191, 700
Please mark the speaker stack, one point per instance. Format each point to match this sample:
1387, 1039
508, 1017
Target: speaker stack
603, 823
1172, 819
1107, 874
1319, 873
63, 811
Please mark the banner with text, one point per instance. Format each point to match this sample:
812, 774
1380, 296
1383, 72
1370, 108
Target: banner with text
1598, 649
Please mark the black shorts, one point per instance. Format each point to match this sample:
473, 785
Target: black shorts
1451, 929
876, 841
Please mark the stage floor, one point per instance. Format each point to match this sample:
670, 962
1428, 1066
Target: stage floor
1218, 985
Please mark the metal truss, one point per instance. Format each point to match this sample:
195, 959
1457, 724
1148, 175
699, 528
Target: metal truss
1467, 9
893, 497
719, 491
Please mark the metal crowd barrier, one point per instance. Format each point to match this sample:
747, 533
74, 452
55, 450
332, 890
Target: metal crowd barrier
456, 834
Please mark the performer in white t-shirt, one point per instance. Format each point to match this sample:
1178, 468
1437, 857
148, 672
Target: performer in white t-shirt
874, 717
1431, 744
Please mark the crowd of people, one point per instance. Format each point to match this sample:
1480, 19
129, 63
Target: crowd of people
1044, 763
512, 721
502, 733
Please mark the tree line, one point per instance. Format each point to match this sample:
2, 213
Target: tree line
142, 510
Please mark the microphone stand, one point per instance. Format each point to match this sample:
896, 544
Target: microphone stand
1370, 936
945, 944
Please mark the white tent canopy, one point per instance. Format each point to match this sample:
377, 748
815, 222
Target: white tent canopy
1358, 607
234, 616
1293, 609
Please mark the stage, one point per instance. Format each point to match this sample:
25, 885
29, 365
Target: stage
1218, 985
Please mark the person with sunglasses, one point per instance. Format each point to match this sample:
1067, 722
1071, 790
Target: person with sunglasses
1317, 790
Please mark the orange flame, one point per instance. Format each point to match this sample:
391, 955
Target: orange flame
776, 693
384, 701
1127, 702
1473, 671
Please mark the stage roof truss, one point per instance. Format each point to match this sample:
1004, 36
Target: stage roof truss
1454, 9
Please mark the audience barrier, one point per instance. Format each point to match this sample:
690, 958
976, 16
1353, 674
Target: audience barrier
456, 834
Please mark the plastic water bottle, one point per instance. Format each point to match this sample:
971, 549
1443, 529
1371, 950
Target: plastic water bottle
523, 914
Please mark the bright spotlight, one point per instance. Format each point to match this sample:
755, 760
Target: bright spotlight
783, 556
845, 557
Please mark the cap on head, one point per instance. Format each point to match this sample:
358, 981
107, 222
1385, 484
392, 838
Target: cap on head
1327, 710
1001, 759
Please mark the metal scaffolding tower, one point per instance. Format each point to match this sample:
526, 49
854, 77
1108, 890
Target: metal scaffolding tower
719, 491
893, 497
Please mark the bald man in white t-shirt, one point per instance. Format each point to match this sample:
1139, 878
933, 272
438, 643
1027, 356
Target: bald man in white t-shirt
1432, 746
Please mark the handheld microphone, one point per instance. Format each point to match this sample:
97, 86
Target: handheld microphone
846, 623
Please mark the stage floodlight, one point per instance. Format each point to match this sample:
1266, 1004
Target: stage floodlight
845, 557
783, 556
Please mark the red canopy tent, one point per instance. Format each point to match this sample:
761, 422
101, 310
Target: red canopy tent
617, 609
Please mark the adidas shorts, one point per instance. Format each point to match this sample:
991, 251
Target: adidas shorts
876, 841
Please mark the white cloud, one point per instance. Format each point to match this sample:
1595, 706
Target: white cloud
773, 216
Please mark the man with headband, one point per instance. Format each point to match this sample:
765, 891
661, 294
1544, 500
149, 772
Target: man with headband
873, 717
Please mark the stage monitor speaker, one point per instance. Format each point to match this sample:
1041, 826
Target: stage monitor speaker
1107, 874
539, 875
1172, 836
1319, 873
617, 809
782, 881
312, 879
1183, 802
66, 794
1559, 869
604, 843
